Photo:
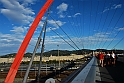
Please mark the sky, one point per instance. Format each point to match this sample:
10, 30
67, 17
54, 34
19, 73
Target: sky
72, 24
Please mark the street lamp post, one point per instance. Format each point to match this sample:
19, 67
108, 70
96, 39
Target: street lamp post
58, 56
59, 60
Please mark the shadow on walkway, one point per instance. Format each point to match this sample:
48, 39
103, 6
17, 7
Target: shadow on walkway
117, 72
112, 74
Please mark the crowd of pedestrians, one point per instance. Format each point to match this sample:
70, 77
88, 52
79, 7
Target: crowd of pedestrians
106, 58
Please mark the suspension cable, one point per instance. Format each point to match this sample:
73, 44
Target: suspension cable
65, 33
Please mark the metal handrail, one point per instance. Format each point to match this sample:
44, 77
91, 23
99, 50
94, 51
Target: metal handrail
85, 74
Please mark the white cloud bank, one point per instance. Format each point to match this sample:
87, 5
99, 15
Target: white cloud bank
16, 11
115, 6
62, 8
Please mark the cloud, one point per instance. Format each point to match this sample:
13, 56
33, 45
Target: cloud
9, 43
107, 9
77, 14
62, 8
40, 24
121, 29
95, 39
16, 11
54, 23
69, 16
13, 41
19, 29
50, 28
61, 16
52, 41
11, 37
86, 41
115, 6
26, 2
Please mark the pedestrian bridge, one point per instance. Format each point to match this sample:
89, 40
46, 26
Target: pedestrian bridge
98, 26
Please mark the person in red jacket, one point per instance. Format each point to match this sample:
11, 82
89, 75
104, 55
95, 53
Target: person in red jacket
101, 58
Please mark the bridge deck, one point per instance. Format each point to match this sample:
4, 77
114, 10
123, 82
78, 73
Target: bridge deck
110, 74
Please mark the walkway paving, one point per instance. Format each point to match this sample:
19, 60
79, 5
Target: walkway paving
110, 74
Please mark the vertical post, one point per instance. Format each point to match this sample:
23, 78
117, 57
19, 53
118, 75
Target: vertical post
58, 56
55, 68
46, 69
42, 49
59, 60
93, 53
32, 58
35, 69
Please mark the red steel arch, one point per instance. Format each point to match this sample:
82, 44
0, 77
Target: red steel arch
16, 63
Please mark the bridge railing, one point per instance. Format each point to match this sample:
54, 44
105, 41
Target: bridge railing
120, 57
85, 74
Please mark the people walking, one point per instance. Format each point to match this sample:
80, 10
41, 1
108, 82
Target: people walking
101, 58
113, 58
107, 59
